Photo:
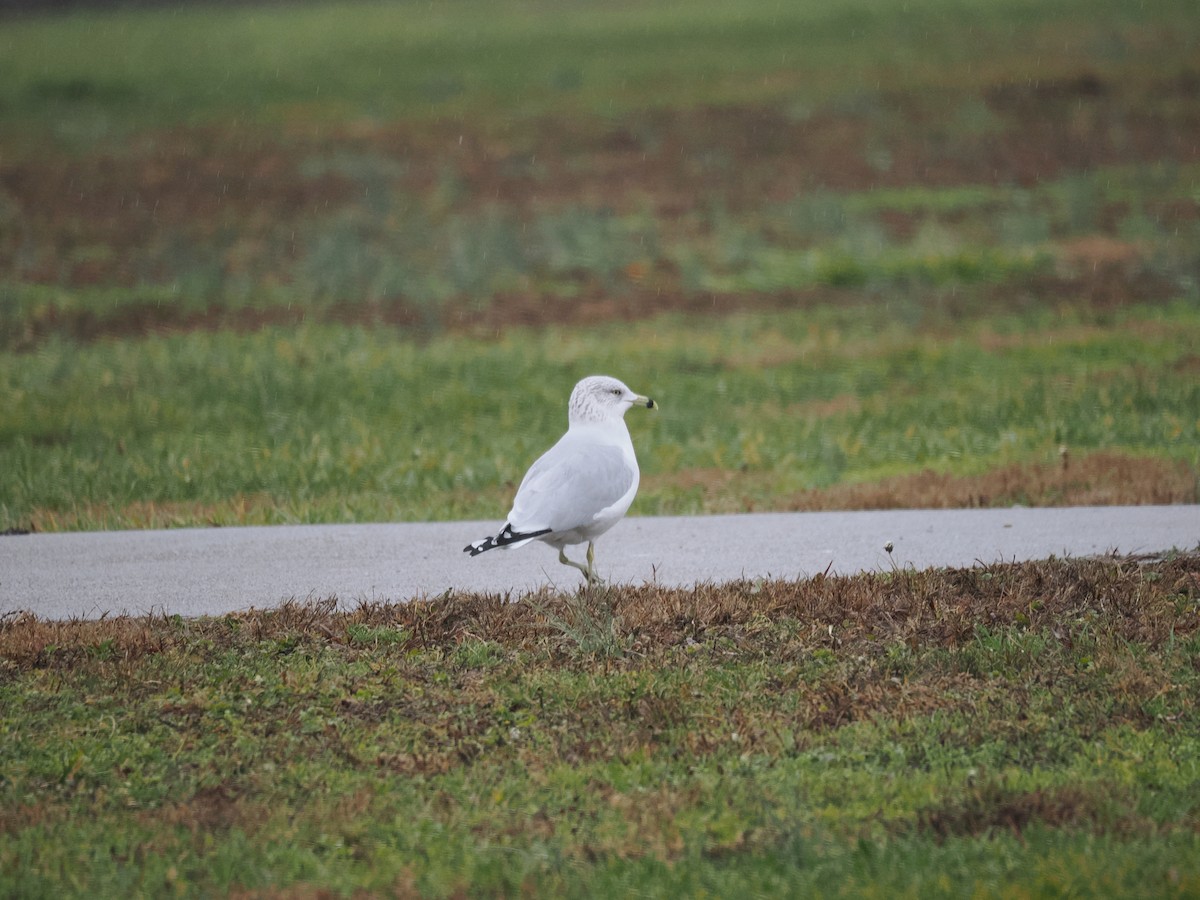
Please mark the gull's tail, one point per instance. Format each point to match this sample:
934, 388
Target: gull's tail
507, 537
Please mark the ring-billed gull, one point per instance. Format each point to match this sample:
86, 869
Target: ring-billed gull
582, 486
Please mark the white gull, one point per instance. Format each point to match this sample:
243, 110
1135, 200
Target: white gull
584, 484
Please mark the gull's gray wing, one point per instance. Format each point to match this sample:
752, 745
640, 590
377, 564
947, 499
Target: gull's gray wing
570, 484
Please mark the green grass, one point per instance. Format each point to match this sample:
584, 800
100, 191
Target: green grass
86, 73
1003, 731
337, 424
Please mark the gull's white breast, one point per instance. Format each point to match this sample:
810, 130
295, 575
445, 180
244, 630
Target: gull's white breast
580, 487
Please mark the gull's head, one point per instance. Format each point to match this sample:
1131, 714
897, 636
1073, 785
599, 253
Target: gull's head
600, 398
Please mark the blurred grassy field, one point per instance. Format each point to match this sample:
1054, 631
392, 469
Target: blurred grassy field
333, 62
345, 261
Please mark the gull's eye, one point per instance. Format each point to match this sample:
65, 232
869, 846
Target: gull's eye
616, 392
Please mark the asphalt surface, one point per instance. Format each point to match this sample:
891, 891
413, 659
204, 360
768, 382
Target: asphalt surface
217, 570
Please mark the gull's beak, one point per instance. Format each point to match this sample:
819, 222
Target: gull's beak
639, 400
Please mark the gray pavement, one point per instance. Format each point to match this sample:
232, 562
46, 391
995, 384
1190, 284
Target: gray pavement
218, 570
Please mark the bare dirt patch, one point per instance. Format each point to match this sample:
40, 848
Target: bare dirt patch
1097, 479
991, 808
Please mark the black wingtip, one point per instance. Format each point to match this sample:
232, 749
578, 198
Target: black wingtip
505, 537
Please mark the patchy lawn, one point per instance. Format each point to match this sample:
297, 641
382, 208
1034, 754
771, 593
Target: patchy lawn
1029, 727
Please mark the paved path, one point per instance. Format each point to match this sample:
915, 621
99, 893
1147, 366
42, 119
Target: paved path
217, 570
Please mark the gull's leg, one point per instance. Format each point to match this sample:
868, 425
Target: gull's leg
589, 571
593, 576
562, 558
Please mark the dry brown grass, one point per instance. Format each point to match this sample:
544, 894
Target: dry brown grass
1144, 601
